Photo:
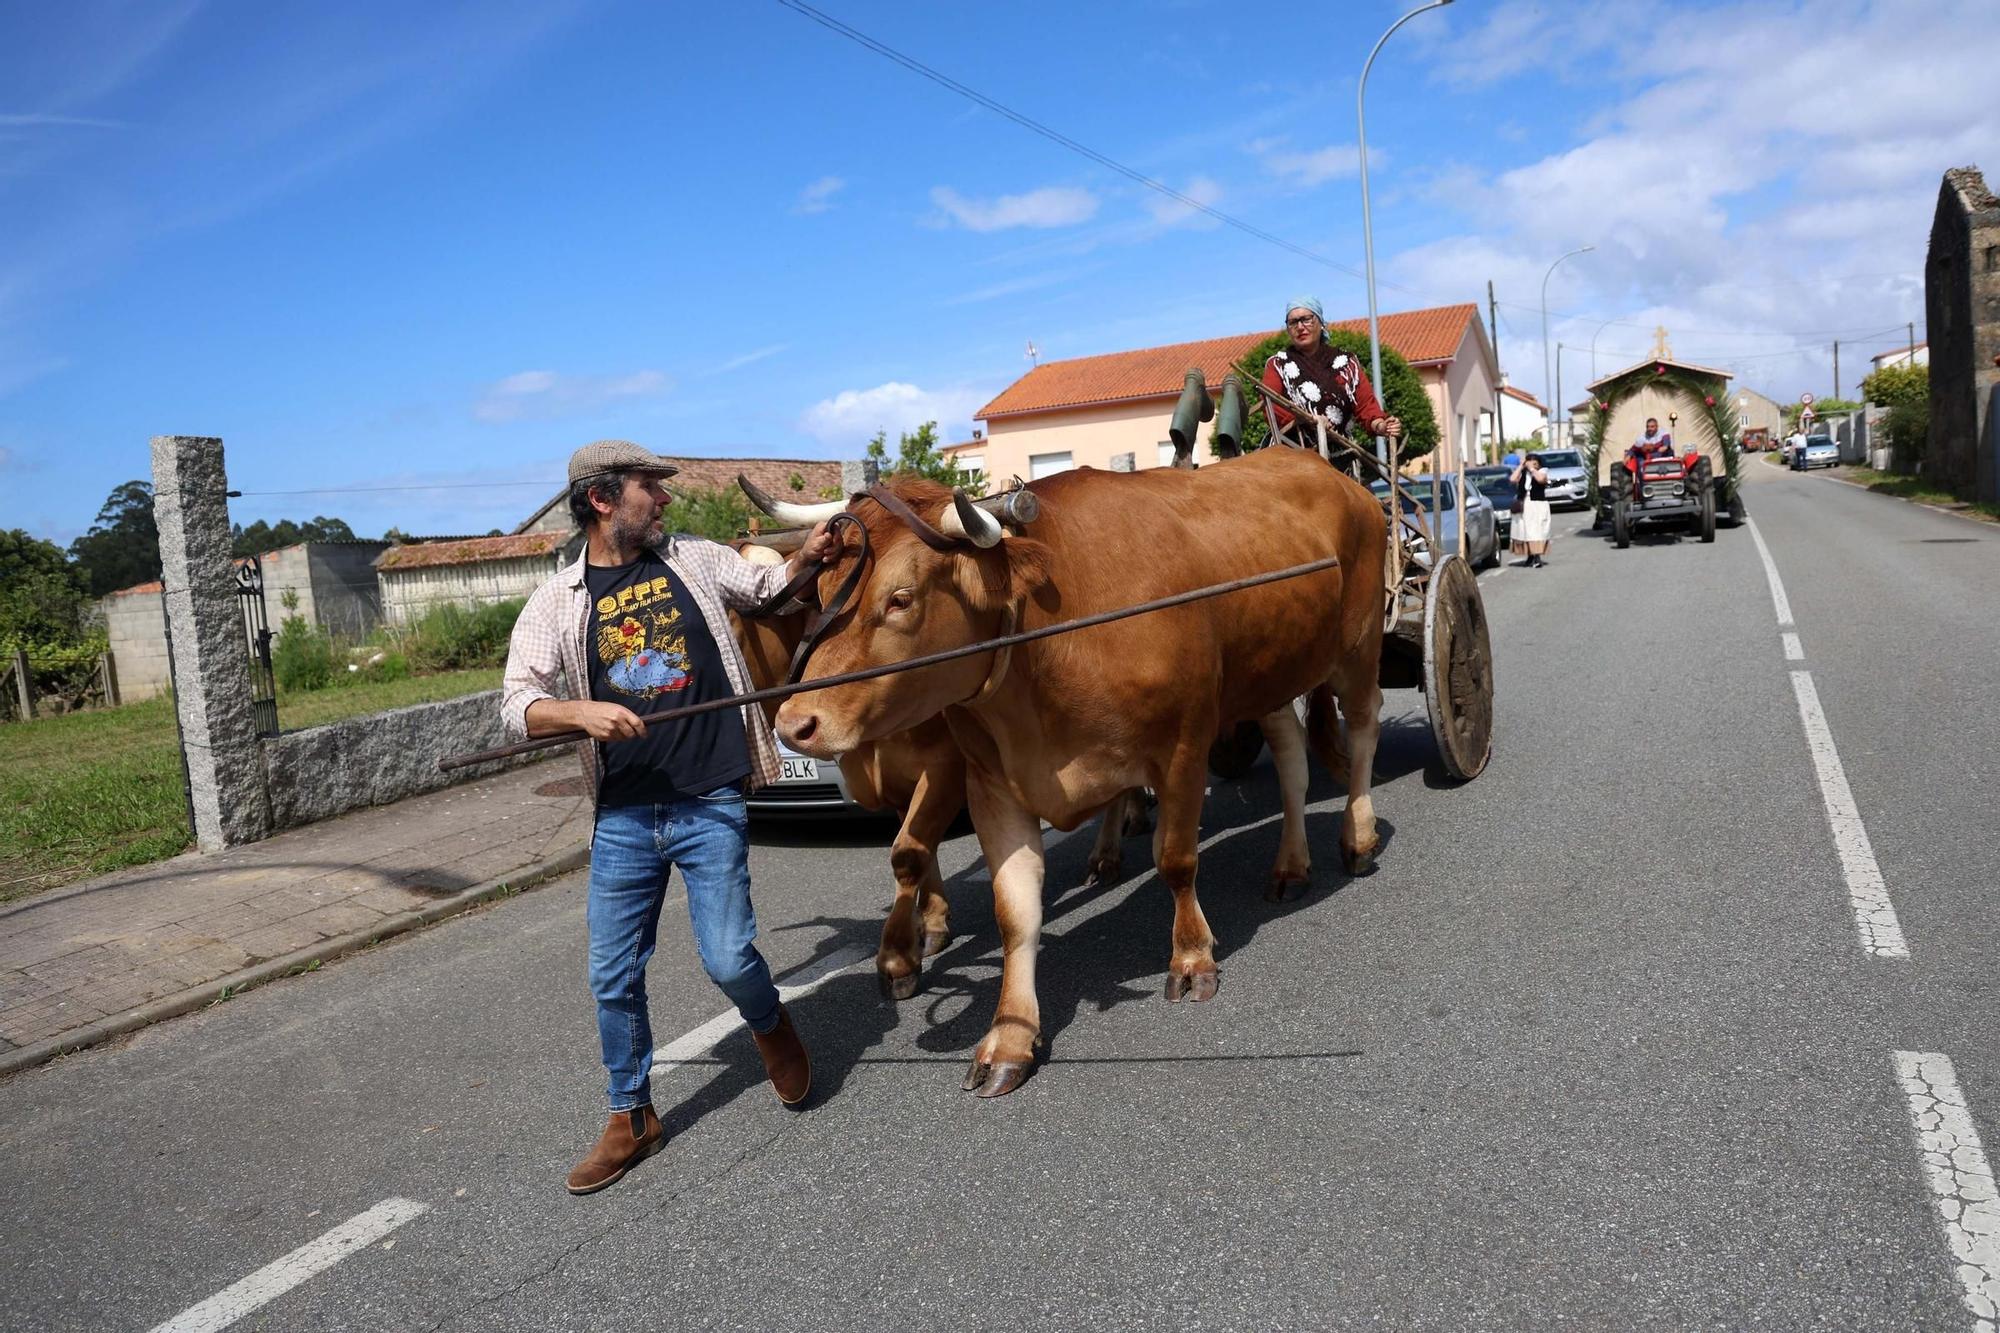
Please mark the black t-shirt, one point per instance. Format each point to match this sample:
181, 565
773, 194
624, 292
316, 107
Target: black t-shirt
650, 649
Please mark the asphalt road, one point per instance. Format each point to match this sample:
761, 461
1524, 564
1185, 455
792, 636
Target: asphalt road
1599, 1045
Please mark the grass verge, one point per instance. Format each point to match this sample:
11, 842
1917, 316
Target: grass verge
97, 791
1915, 488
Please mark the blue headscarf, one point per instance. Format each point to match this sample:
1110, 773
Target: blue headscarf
1306, 303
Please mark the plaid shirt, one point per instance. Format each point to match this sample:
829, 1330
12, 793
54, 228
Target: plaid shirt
545, 659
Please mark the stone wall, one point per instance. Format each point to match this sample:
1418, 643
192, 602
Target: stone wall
137, 637
1962, 314
325, 771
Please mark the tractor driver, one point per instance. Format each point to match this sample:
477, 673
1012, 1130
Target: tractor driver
1655, 443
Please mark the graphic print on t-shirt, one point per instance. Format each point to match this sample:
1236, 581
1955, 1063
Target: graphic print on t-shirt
641, 643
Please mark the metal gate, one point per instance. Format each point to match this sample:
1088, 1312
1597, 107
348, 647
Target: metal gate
257, 631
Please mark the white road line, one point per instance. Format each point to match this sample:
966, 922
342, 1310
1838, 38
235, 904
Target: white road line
280, 1276
1794, 650
1779, 601
1874, 915
1960, 1177
700, 1041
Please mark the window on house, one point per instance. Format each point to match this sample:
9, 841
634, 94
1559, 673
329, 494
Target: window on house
1993, 259
1047, 465
972, 462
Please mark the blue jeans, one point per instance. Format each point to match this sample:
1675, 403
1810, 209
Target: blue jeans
634, 849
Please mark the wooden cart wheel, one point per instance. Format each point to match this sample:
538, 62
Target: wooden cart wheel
1458, 669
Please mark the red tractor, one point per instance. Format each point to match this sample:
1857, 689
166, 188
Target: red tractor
1662, 490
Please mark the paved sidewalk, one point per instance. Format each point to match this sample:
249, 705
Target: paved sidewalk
89, 961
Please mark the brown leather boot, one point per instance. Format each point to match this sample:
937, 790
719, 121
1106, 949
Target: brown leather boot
629, 1139
785, 1060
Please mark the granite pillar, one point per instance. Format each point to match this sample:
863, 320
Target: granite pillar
225, 761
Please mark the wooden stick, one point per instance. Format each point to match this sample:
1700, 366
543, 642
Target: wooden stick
873, 673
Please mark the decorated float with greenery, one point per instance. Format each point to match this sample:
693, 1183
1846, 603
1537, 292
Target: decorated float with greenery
1690, 402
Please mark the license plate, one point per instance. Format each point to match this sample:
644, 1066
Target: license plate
799, 770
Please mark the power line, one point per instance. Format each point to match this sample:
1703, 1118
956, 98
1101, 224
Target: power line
441, 486
1054, 136
1057, 137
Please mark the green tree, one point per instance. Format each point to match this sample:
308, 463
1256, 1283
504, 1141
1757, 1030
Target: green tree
41, 595
1401, 391
719, 515
1898, 386
1824, 408
917, 455
260, 536
123, 546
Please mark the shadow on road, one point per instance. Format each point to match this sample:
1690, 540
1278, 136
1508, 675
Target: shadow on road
1116, 957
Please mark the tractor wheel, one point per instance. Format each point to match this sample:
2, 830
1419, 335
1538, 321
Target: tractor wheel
1621, 523
1233, 752
1737, 514
1707, 521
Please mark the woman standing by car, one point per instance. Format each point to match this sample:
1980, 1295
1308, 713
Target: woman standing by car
1533, 524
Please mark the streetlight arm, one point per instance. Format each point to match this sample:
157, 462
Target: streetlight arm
1548, 379
1367, 223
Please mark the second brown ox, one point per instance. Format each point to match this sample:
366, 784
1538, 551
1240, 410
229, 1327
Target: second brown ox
1056, 729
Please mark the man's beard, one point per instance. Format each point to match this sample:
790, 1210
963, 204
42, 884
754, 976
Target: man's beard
633, 535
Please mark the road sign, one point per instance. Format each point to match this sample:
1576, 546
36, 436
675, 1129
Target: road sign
1806, 399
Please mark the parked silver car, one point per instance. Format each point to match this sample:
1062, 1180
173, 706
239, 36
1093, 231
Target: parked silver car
1819, 451
806, 787
1482, 535
1569, 480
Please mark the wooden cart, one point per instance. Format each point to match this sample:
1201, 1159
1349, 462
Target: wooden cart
1434, 622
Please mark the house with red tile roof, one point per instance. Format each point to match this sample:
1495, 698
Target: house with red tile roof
1093, 411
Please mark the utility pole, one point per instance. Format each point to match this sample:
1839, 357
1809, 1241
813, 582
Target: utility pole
1913, 342
1555, 408
1500, 385
1836, 368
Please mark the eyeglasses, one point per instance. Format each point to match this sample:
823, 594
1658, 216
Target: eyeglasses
1301, 321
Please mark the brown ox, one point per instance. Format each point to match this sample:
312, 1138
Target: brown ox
920, 774
1056, 729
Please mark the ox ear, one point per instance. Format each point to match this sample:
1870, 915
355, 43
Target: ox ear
1003, 575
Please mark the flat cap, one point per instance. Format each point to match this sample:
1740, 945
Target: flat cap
614, 456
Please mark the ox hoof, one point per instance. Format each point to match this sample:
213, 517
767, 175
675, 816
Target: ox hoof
1287, 888
936, 942
1201, 986
1358, 863
998, 1078
898, 988
1103, 872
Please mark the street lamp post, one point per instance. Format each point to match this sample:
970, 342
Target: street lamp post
1593, 350
1367, 225
1548, 377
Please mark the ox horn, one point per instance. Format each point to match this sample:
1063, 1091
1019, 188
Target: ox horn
794, 515
967, 521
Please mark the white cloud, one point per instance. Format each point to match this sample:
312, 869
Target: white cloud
1759, 209
1172, 212
1050, 206
852, 416
818, 197
1306, 168
542, 395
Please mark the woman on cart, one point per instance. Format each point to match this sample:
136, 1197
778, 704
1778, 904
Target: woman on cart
1310, 374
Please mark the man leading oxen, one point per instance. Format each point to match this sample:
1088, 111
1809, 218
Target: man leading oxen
1056, 729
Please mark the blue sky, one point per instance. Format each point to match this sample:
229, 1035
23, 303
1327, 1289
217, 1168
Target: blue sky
378, 245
